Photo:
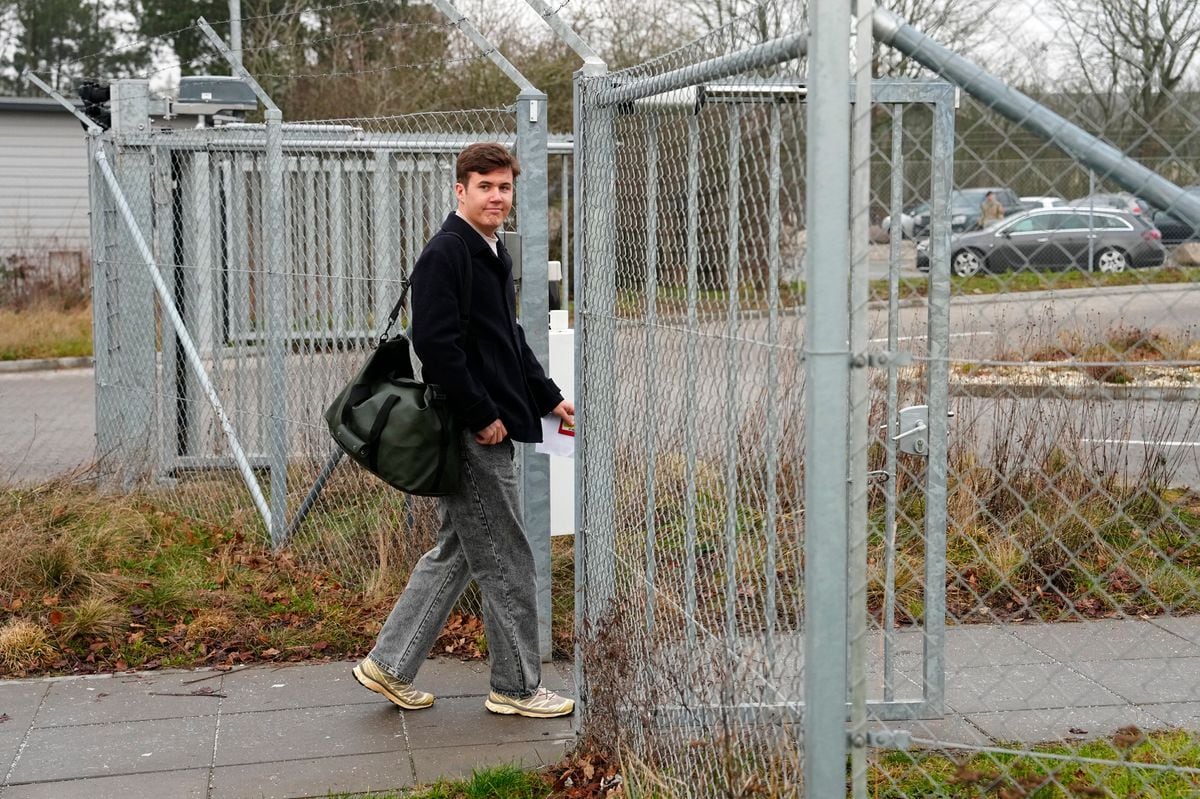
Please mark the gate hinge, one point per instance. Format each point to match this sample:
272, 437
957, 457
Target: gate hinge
880, 360
880, 739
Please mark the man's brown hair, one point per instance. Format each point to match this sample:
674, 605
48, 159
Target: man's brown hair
483, 158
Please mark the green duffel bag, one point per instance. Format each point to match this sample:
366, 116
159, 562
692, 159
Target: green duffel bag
396, 427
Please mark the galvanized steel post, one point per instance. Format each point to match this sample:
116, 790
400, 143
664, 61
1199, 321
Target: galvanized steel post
827, 408
533, 202
273, 227
127, 384
860, 402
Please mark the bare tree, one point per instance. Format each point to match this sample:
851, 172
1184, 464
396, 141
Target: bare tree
962, 27
1132, 56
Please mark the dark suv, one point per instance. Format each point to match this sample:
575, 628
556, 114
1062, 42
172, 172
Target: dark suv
1174, 230
965, 208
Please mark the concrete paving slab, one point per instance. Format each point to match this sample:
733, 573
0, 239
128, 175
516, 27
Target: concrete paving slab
187, 784
1037, 726
465, 721
294, 686
1176, 714
1151, 680
304, 733
449, 678
1024, 687
560, 673
988, 645
314, 777
452, 762
129, 697
130, 747
1187, 627
19, 702
1109, 639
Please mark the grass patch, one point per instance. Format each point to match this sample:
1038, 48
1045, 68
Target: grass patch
98, 583
1062, 775
498, 782
1042, 281
46, 330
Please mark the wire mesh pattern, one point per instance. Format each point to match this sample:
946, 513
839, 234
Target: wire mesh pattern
693, 459
1026, 556
360, 199
1065, 558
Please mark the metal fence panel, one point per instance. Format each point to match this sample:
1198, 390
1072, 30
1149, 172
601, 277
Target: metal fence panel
281, 291
688, 313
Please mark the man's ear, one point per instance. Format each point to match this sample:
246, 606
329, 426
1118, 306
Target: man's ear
459, 190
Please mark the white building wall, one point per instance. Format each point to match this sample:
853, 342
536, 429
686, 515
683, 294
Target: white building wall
43, 182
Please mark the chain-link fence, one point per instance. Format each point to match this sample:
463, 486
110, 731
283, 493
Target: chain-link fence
692, 452
279, 291
957, 443
1017, 466
245, 269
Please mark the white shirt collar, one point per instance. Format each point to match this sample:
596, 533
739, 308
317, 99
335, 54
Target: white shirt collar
492, 240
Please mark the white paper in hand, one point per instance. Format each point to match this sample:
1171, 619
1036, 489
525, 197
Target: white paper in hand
558, 438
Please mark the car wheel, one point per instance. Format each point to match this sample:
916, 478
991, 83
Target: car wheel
1112, 260
966, 263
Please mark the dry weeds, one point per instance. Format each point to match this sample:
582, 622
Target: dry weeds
46, 330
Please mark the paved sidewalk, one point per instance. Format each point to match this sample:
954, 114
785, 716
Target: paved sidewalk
269, 732
266, 732
1033, 682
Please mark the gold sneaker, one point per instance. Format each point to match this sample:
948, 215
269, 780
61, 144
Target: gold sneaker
544, 704
399, 693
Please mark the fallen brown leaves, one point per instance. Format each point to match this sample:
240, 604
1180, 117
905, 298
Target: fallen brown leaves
587, 775
462, 637
184, 593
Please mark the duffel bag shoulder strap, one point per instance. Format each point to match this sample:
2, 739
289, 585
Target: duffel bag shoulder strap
360, 391
464, 301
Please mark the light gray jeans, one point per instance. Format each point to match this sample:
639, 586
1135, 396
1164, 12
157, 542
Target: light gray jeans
480, 538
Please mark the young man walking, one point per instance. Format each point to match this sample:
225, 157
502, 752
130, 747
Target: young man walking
495, 384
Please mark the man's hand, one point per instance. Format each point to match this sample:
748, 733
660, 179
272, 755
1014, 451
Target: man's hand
565, 411
494, 433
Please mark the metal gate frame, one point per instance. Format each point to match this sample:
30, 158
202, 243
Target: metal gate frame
595, 471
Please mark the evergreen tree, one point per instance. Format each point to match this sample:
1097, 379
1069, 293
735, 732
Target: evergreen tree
64, 41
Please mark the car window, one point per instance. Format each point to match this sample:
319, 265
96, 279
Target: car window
1074, 222
1031, 224
1061, 221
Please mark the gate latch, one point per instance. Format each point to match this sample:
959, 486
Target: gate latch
882, 739
914, 430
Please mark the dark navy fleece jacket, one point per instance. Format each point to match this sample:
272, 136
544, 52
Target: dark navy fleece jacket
490, 373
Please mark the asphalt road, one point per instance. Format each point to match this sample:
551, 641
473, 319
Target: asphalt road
47, 424
47, 419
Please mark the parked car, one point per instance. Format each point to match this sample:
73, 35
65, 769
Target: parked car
1121, 200
1055, 238
1176, 231
965, 209
907, 218
1042, 201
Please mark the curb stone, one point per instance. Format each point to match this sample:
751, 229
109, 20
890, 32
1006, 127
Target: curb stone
47, 364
